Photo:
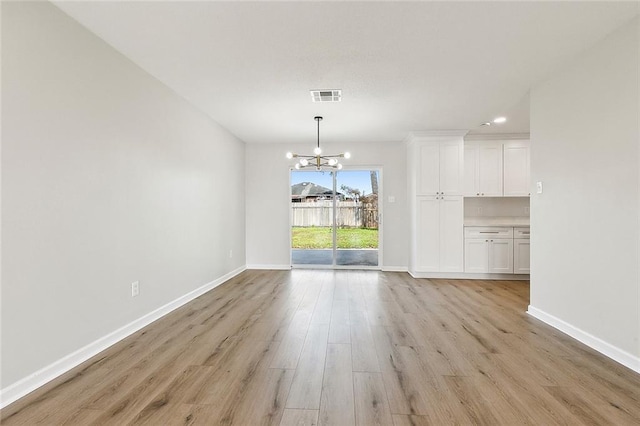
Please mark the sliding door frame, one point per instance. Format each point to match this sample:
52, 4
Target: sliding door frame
334, 214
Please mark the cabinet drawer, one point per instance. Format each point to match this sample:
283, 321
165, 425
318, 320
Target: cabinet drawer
523, 232
488, 232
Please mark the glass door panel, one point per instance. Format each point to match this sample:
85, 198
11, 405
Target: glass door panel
357, 217
334, 218
312, 218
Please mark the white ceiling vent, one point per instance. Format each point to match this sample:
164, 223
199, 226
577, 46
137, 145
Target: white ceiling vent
328, 95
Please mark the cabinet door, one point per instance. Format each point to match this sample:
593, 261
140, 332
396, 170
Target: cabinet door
490, 170
516, 168
471, 177
471, 170
427, 234
451, 234
476, 255
521, 253
428, 169
501, 256
451, 164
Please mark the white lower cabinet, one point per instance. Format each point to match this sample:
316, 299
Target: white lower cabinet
521, 253
501, 256
439, 242
476, 255
488, 250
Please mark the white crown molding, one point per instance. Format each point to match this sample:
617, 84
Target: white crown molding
623, 357
434, 134
41, 377
496, 136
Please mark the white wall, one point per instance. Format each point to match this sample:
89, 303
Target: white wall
108, 177
585, 231
268, 196
496, 206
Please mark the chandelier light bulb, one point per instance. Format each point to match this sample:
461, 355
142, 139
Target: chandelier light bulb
500, 120
304, 162
339, 166
333, 162
347, 155
289, 155
297, 166
317, 150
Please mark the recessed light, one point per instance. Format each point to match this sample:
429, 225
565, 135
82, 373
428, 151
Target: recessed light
500, 120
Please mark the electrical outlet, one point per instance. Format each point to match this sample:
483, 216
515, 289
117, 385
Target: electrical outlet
135, 288
526, 210
230, 254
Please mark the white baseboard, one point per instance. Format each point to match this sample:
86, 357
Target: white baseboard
468, 276
273, 267
32, 382
394, 269
625, 358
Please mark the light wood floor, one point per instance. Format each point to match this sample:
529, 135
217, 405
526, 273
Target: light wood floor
343, 348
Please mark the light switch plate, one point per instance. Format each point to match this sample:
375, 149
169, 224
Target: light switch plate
539, 187
392, 199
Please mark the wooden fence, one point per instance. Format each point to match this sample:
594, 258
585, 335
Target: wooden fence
349, 214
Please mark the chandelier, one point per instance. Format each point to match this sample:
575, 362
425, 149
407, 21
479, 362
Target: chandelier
317, 160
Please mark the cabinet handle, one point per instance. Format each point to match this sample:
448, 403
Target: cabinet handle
483, 193
486, 241
489, 232
477, 193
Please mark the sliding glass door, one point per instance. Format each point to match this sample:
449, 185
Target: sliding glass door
334, 218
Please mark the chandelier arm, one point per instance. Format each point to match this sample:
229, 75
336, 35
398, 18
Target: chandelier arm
317, 160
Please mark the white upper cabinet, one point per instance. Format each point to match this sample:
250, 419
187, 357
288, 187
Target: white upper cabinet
440, 171
516, 168
428, 170
483, 169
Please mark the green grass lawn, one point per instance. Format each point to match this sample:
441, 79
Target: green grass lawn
321, 238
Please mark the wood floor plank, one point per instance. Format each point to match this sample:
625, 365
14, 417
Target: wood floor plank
263, 401
294, 417
363, 350
372, 407
346, 347
337, 406
339, 330
290, 347
407, 420
307, 381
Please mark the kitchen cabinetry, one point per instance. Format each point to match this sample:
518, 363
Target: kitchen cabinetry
435, 178
439, 234
516, 168
488, 250
521, 251
439, 168
483, 169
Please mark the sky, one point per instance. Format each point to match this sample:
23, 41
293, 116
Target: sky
357, 179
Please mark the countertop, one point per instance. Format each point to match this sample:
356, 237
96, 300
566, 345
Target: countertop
496, 221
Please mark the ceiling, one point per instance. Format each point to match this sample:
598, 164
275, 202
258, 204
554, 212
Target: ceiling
402, 66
